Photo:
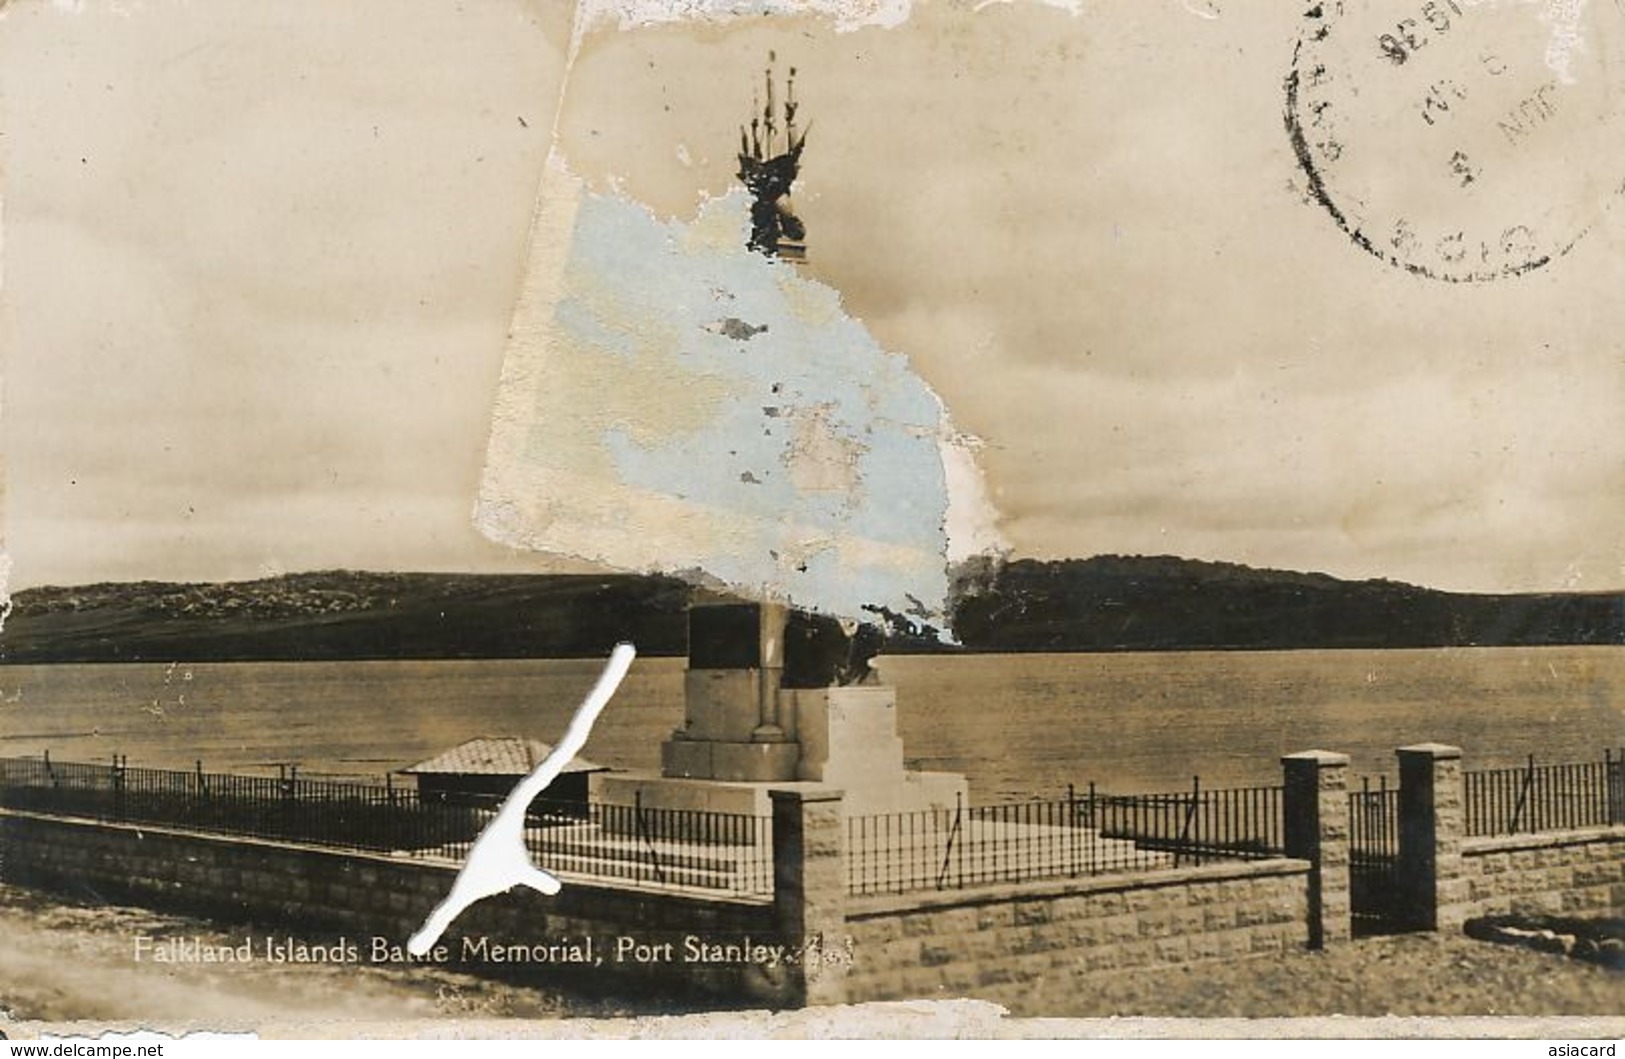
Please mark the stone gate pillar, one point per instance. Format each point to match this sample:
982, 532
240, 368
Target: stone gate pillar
1315, 807
809, 892
1432, 824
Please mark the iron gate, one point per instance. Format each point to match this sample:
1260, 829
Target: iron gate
1376, 899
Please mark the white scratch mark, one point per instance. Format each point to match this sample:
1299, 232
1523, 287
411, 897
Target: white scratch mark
629, 14
498, 860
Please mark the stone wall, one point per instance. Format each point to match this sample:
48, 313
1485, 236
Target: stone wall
1031, 946
324, 894
1027, 945
1579, 873
1450, 878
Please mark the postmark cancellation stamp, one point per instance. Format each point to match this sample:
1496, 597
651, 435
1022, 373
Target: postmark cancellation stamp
1461, 140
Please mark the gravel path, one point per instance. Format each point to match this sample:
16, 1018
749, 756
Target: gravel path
66, 962
1409, 974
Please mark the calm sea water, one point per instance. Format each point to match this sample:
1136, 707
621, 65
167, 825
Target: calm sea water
1017, 725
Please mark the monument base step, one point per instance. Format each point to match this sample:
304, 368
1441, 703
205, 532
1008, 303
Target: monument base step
914, 792
729, 762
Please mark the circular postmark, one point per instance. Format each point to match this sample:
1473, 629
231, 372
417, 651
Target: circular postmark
1461, 140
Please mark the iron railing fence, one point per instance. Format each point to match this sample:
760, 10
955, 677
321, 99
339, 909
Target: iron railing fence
1086, 833
655, 848
1555, 797
377, 818
641, 845
1222, 823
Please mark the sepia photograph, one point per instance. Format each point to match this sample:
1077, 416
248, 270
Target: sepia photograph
672, 518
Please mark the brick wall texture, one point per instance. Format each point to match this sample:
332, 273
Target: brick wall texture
314, 892
1580, 873
1031, 946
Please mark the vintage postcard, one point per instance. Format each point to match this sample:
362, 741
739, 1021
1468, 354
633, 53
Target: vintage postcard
841, 518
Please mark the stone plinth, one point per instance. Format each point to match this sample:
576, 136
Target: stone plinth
727, 733
732, 730
712, 759
848, 735
654, 791
826, 738
752, 723
721, 704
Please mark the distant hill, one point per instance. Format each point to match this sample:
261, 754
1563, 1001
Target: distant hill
1108, 603
1112, 603
348, 615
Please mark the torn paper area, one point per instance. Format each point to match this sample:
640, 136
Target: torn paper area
5, 588
675, 402
847, 15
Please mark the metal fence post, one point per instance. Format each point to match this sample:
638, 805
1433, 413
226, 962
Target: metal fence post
1613, 784
1091, 861
118, 787
1071, 831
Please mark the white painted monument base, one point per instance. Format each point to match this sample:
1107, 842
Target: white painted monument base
841, 738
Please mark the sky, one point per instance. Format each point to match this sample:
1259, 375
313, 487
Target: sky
259, 266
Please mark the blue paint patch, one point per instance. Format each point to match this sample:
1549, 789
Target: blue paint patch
820, 464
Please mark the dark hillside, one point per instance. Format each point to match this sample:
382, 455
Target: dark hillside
347, 615
1165, 603
1108, 603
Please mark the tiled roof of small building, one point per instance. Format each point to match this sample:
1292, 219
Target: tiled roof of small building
499, 756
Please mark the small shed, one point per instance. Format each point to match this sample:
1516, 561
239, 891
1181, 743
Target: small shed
483, 771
